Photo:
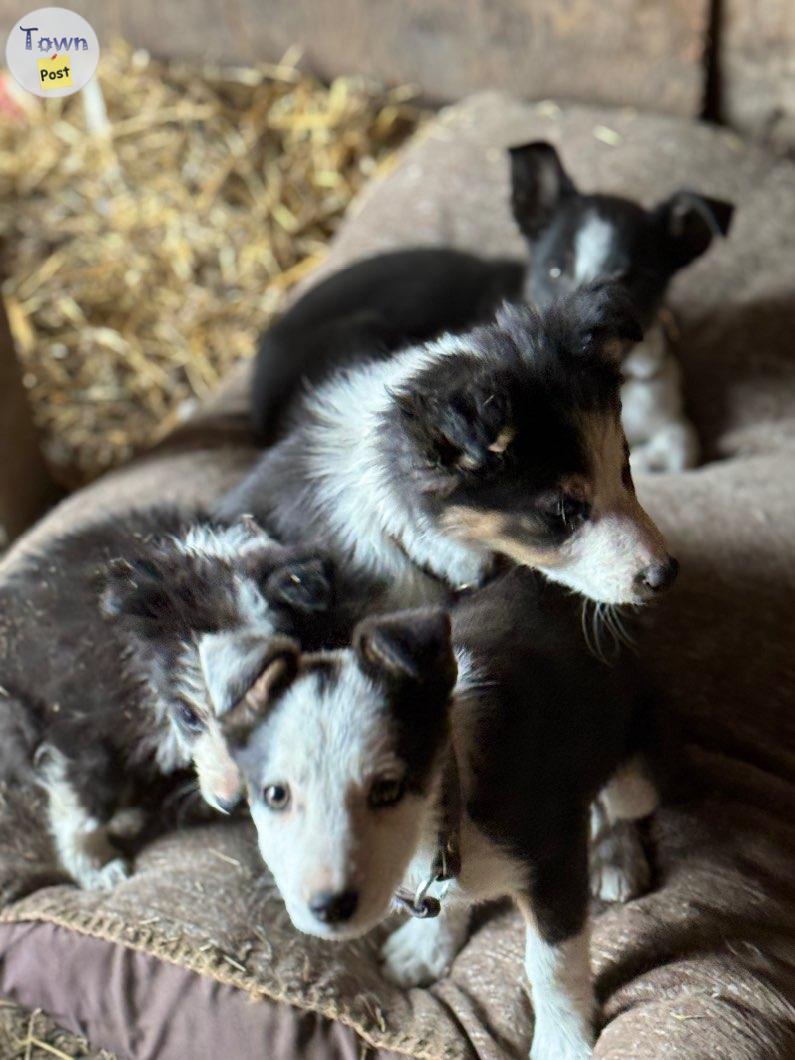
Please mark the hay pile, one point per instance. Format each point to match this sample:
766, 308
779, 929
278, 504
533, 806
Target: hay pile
28, 1035
151, 226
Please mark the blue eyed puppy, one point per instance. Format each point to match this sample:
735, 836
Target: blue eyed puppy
420, 470
122, 645
579, 239
486, 740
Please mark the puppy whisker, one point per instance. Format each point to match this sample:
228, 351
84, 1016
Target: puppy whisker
618, 623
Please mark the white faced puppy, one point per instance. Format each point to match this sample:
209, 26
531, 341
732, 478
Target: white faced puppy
419, 470
104, 704
488, 743
578, 239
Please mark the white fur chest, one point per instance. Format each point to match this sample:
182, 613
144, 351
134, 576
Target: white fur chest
652, 411
386, 533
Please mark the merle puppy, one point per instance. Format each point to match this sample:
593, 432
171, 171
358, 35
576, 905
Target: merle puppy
418, 471
452, 765
121, 646
578, 239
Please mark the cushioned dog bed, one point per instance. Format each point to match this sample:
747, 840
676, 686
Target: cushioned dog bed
704, 966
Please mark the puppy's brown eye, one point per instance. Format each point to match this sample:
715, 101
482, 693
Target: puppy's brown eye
386, 792
276, 796
572, 512
189, 719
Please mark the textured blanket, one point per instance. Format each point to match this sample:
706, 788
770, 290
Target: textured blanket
704, 966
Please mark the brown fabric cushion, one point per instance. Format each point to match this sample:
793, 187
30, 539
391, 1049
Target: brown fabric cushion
704, 966
141, 1007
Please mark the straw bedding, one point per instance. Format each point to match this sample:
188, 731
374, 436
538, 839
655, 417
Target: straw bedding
152, 223
26, 1035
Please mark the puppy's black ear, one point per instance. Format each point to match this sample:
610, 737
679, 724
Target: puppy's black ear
691, 221
305, 585
410, 646
279, 669
136, 590
460, 430
539, 184
163, 590
602, 322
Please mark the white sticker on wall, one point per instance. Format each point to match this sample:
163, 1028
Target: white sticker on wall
52, 52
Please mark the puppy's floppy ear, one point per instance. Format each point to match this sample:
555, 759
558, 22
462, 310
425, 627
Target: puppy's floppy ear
296, 579
305, 585
410, 647
279, 670
539, 184
465, 429
690, 222
147, 592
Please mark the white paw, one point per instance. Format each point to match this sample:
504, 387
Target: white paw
126, 823
673, 449
552, 1044
420, 952
619, 867
562, 1033
105, 877
647, 460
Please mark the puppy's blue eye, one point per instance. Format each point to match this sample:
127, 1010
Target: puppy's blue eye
555, 272
276, 796
189, 719
386, 792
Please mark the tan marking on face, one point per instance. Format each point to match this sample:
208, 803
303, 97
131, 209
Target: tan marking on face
523, 552
492, 529
219, 778
473, 524
604, 558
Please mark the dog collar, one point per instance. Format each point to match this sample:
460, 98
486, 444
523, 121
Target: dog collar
446, 864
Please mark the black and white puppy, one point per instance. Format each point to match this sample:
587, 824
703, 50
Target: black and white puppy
347, 762
367, 311
103, 703
579, 239
416, 471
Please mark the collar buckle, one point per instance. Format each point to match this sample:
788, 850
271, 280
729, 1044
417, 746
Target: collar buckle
446, 864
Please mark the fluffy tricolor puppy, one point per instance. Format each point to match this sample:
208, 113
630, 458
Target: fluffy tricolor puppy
418, 471
488, 740
122, 645
366, 312
579, 239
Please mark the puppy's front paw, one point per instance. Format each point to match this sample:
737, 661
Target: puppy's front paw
672, 449
551, 1043
421, 951
619, 867
105, 877
126, 823
410, 959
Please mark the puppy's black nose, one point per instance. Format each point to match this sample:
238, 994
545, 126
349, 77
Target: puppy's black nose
333, 908
659, 576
